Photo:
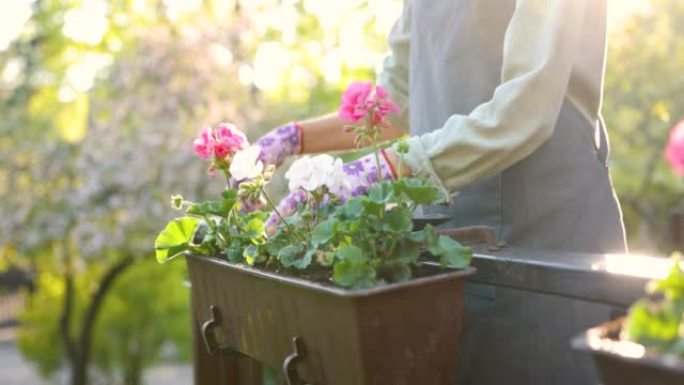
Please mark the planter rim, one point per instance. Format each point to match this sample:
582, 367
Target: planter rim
448, 274
597, 341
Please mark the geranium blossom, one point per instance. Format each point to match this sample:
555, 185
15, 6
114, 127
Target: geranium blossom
246, 164
338, 180
223, 141
204, 145
355, 101
310, 173
228, 139
360, 99
383, 105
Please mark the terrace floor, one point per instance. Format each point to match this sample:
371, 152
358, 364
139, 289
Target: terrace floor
14, 370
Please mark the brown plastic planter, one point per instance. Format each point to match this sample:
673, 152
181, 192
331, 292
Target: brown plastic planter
399, 334
628, 363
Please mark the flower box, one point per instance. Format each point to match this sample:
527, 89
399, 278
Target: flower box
622, 362
331, 282
401, 333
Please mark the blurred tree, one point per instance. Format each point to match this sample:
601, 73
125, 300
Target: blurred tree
642, 102
100, 101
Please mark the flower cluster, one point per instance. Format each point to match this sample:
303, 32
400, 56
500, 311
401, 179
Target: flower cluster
246, 164
350, 223
362, 99
312, 173
222, 142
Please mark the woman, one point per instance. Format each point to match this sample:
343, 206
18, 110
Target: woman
502, 100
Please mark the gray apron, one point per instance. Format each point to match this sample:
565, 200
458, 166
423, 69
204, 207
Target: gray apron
558, 198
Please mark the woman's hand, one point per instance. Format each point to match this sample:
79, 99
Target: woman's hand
358, 177
280, 143
275, 146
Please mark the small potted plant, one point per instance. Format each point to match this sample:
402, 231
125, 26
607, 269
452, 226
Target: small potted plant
647, 346
341, 276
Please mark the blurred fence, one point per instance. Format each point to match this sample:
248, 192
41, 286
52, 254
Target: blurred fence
12, 300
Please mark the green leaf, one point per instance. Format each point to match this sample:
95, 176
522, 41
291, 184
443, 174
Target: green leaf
278, 242
353, 274
326, 258
348, 227
250, 254
234, 254
432, 240
304, 262
294, 256
218, 208
453, 253
417, 190
350, 253
655, 325
672, 285
229, 195
175, 238
323, 232
371, 208
394, 272
407, 251
381, 192
353, 208
208, 244
417, 236
255, 228
397, 220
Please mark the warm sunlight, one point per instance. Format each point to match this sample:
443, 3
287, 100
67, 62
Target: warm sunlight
13, 16
619, 9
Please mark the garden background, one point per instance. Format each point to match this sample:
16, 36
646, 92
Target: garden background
100, 101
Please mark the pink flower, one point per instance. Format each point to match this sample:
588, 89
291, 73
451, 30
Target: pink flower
674, 152
204, 145
359, 100
355, 101
228, 139
383, 104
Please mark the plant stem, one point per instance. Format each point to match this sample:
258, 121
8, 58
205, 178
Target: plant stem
209, 222
394, 244
373, 135
226, 173
282, 219
400, 166
377, 162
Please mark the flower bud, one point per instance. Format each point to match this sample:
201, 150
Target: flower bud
402, 147
177, 202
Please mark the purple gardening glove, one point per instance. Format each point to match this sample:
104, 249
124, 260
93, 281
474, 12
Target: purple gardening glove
276, 145
355, 178
280, 143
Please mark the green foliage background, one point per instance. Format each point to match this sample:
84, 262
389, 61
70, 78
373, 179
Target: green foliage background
86, 169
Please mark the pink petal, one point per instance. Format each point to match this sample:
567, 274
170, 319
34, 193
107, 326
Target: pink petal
354, 99
674, 152
381, 92
203, 144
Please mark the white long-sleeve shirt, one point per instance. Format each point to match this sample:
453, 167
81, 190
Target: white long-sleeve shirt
550, 51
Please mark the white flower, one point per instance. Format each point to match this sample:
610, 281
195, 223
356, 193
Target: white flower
338, 180
246, 164
310, 173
